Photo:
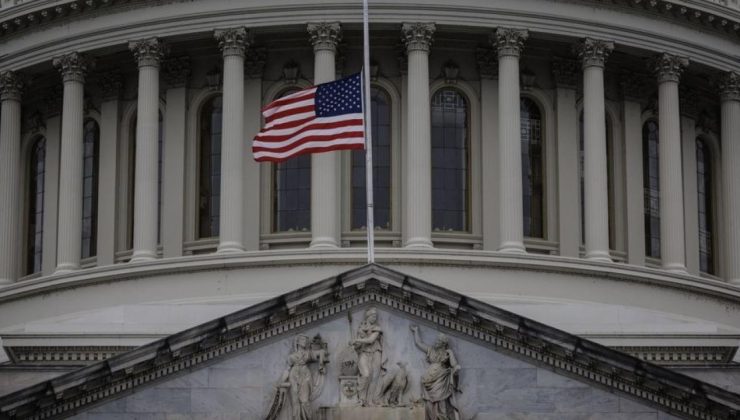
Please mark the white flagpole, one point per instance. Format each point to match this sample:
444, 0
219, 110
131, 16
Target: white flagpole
368, 138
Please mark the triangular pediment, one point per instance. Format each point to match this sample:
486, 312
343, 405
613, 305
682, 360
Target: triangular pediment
510, 365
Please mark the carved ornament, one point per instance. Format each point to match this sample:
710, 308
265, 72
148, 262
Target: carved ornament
633, 86
254, 65
417, 36
565, 72
509, 41
487, 63
325, 35
233, 41
594, 52
111, 85
668, 67
729, 86
11, 86
73, 66
176, 71
148, 52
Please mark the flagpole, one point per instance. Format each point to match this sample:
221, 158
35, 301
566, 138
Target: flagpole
368, 137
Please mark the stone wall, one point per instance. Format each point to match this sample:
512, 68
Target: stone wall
494, 386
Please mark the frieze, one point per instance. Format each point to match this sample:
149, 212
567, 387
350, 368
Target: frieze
418, 36
367, 287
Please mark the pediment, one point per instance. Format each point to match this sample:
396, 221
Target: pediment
509, 366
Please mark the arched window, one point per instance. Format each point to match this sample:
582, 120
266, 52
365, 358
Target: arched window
651, 188
209, 168
35, 209
381, 127
610, 180
132, 178
91, 141
292, 191
705, 187
450, 161
532, 168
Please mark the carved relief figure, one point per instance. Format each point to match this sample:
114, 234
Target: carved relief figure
298, 381
394, 387
369, 346
440, 381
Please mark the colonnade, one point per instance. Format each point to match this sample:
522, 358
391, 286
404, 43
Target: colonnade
234, 44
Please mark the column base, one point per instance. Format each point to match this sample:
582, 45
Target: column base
230, 248
512, 248
323, 243
143, 256
598, 256
677, 268
419, 243
65, 268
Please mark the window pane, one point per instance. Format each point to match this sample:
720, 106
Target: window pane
381, 128
651, 188
91, 154
532, 168
706, 208
210, 169
35, 212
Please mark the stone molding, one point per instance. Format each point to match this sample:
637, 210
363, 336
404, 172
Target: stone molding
487, 63
593, 52
509, 41
176, 71
565, 72
418, 36
148, 52
110, 84
63, 355
233, 41
729, 86
324, 35
483, 324
11, 86
73, 66
668, 67
681, 356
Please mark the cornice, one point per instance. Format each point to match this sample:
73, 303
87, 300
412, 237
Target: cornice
483, 324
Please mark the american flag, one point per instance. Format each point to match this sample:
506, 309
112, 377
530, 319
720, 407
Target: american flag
321, 118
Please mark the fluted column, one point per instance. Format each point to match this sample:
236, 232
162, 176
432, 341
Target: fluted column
73, 68
509, 44
418, 158
233, 43
593, 53
668, 69
11, 87
148, 54
730, 97
325, 180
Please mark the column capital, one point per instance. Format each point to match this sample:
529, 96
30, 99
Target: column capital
487, 63
110, 84
417, 36
11, 86
729, 86
668, 67
565, 72
233, 41
324, 35
176, 71
509, 41
593, 52
148, 52
73, 66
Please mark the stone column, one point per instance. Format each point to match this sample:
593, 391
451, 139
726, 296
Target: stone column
233, 43
509, 44
730, 97
73, 68
593, 53
565, 73
11, 87
176, 72
148, 54
668, 69
325, 167
418, 158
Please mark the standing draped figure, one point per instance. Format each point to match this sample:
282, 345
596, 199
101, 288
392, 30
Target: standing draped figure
440, 381
368, 344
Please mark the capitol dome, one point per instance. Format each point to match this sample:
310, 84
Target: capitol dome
571, 162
